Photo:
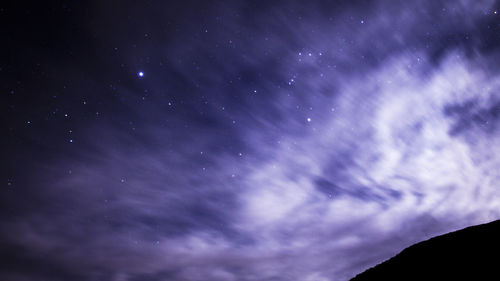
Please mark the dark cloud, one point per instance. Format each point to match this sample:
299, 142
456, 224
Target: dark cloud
472, 115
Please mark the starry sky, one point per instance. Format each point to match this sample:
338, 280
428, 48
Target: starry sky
242, 140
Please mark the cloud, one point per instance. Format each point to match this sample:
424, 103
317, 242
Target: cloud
308, 143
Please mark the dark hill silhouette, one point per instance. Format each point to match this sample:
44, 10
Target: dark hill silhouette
472, 253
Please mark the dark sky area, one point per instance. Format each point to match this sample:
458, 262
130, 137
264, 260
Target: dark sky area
242, 140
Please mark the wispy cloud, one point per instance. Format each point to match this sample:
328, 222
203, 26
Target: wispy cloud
311, 150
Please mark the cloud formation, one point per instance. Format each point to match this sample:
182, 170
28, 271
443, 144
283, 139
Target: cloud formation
265, 141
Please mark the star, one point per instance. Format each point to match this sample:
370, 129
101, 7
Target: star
140, 74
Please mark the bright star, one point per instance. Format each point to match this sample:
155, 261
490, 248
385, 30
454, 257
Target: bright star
308, 119
140, 74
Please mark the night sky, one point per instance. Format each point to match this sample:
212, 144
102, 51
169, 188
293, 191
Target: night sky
242, 140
